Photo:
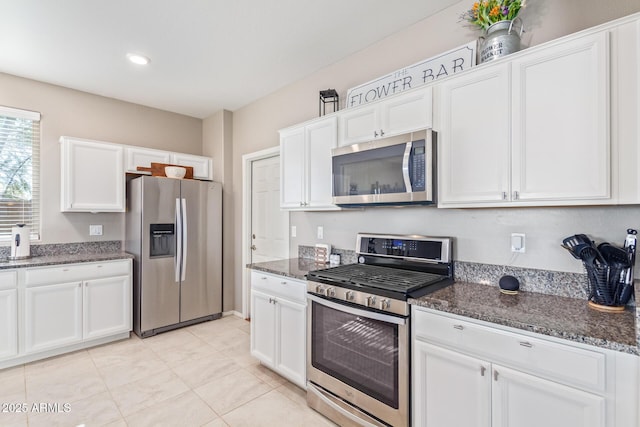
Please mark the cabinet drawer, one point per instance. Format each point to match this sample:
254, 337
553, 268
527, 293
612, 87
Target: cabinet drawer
8, 279
75, 272
286, 287
563, 363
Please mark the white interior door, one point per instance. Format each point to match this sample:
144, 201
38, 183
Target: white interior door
269, 224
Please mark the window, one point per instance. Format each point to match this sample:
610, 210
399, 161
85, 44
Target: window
19, 171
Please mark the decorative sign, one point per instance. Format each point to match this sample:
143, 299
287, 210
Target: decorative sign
446, 64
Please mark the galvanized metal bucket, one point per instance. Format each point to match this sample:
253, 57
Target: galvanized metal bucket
501, 40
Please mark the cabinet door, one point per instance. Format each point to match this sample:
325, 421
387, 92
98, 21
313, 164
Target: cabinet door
137, 156
359, 125
561, 122
521, 400
449, 389
107, 306
263, 327
320, 138
202, 166
8, 323
53, 316
291, 340
92, 176
474, 142
406, 113
292, 168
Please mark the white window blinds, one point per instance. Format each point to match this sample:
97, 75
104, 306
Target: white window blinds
19, 171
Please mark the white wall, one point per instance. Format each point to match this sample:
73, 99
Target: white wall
482, 234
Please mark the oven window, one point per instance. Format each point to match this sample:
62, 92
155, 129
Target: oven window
360, 352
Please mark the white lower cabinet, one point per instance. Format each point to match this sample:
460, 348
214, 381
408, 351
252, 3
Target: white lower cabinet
107, 306
55, 309
522, 400
8, 323
450, 389
278, 324
470, 373
52, 316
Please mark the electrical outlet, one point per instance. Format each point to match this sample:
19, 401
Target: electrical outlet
294, 231
95, 230
518, 242
320, 232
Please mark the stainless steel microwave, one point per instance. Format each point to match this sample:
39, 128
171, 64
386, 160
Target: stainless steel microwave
392, 171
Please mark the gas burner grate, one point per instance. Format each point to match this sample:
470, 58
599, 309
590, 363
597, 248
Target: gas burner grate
378, 277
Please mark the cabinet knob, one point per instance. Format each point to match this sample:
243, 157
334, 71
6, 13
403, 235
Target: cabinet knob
482, 370
516, 195
375, 134
526, 344
253, 247
495, 375
458, 327
504, 195
264, 277
381, 132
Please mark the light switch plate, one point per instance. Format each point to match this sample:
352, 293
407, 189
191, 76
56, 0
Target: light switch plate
95, 230
320, 233
294, 231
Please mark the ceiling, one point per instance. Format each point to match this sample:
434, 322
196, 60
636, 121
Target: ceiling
206, 55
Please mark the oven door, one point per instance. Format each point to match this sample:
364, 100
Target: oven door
360, 356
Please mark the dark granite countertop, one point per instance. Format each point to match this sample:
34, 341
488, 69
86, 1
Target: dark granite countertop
296, 268
561, 317
41, 261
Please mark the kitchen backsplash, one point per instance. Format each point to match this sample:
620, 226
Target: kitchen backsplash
50, 249
572, 285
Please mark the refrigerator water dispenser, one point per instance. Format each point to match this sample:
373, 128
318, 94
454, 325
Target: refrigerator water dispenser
162, 240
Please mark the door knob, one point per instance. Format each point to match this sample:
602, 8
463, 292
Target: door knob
253, 247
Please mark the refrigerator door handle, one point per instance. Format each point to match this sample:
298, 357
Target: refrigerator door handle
178, 258
183, 265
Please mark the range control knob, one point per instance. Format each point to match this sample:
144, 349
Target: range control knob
349, 296
330, 292
385, 304
371, 301
319, 289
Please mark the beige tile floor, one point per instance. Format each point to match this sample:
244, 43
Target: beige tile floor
202, 375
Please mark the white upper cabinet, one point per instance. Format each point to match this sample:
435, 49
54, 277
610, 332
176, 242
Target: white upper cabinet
561, 147
399, 114
474, 142
92, 176
305, 162
202, 166
139, 156
532, 131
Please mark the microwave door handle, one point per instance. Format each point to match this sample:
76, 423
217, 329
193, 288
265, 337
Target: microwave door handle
405, 166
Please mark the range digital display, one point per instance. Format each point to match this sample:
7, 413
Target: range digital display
401, 248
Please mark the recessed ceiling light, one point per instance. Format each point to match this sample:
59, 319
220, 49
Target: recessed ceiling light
138, 59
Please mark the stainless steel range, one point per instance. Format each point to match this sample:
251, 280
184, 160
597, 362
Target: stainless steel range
358, 329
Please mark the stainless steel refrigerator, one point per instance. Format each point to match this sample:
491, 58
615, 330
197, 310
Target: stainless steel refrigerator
174, 232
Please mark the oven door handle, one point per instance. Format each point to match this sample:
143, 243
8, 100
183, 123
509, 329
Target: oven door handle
358, 312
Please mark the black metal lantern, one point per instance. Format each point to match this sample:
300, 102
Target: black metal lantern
329, 96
